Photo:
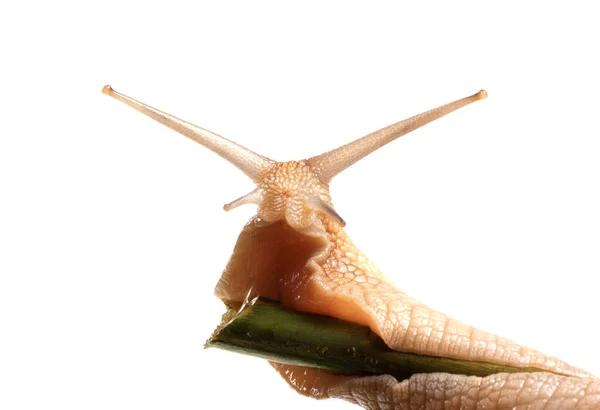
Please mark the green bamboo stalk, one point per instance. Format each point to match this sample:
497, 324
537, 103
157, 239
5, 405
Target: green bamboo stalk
265, 329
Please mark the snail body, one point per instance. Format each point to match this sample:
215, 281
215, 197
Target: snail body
296, 251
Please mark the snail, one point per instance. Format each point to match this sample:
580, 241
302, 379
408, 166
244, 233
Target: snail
296, 251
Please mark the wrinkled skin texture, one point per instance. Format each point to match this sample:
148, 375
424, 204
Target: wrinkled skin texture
316, 268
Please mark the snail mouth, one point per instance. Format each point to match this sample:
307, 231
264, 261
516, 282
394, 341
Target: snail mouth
270, 260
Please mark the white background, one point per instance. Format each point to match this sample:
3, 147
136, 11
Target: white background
112, 235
